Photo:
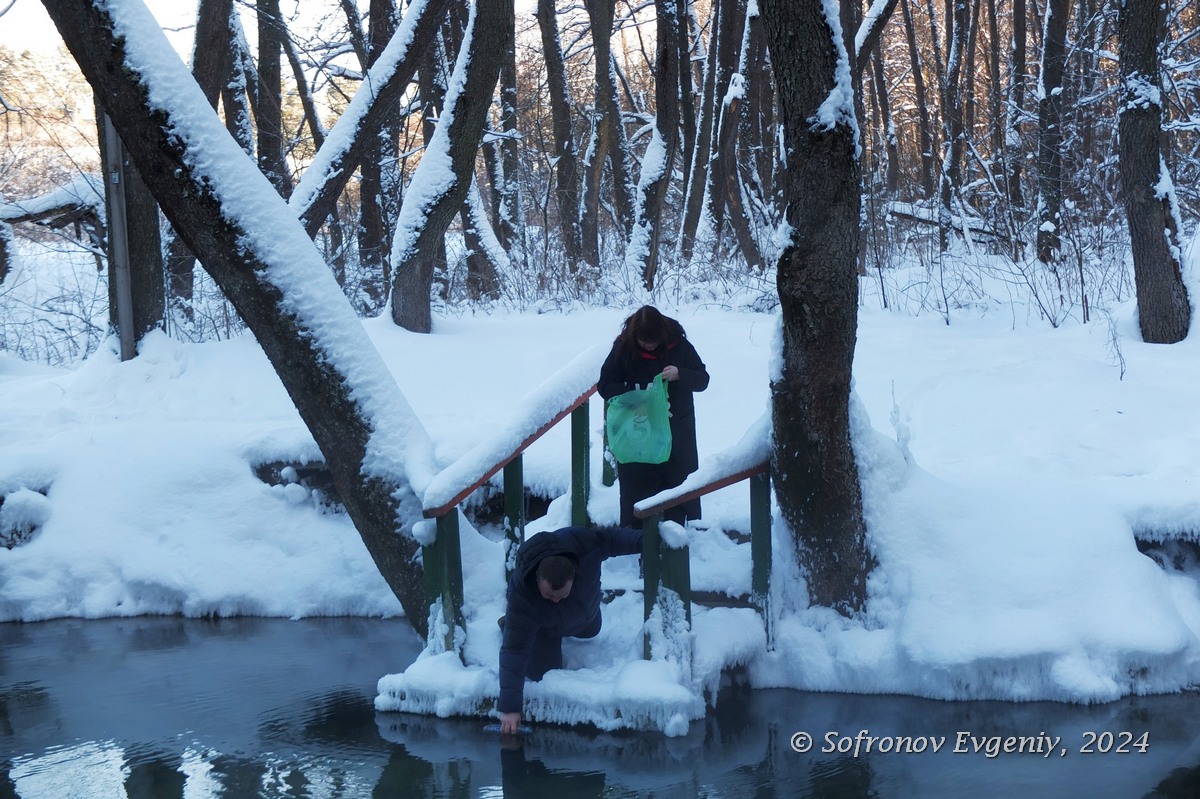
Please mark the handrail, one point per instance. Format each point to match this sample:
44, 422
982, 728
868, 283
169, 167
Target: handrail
446, 507
707, 488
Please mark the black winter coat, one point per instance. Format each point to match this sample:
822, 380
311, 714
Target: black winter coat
528, 612
624, 371
627, 368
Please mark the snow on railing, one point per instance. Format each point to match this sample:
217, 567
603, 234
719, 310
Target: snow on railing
745, 459
540, 410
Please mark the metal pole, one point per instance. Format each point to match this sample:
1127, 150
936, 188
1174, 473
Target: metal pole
760, 549
580, 472
114, 153
514, 513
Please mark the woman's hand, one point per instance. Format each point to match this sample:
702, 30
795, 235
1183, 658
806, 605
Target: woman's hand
670, 373
510, 723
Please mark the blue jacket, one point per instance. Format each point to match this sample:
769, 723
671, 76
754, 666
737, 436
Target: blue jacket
528, 612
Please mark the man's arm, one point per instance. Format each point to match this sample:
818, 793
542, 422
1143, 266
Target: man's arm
514, 659
612, 541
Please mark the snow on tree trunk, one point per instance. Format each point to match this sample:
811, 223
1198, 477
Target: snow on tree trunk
812, 461
443, 177
257, 252
1164, 312
642, 253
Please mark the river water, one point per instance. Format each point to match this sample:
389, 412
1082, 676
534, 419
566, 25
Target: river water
170, 708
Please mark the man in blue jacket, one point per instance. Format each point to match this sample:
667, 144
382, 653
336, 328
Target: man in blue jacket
554, 592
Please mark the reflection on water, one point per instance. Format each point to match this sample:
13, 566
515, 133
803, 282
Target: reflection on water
163, 708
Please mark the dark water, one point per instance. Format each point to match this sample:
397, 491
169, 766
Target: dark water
162, 707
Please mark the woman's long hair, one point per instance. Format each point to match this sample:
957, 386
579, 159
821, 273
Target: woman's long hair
648, 324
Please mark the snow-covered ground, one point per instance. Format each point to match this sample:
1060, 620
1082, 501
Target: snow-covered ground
1008, 469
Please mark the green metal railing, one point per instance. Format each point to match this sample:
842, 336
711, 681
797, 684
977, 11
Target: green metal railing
670, 567
443, 558
663, 566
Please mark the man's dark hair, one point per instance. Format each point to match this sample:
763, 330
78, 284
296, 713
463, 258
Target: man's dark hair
556, 570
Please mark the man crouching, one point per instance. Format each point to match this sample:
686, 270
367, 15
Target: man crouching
554, 592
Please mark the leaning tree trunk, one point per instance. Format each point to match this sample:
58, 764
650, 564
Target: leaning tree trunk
1164, 312
443, 177
812, 460
340, 387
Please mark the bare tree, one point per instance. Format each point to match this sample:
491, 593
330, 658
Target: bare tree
812, 461
1164, 312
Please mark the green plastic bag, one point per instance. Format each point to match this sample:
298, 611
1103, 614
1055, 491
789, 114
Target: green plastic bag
638, 424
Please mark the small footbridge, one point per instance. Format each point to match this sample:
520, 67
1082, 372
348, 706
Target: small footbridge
457, 675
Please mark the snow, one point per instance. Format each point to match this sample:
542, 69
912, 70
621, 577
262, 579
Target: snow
1008, 469
85, 190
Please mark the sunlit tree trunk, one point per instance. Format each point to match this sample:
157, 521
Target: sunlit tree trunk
924, 119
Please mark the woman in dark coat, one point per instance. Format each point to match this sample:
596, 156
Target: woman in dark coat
650, 344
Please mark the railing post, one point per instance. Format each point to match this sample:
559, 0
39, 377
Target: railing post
514, 513
444, 581
760, 549
580, 475
651, 572
666, 566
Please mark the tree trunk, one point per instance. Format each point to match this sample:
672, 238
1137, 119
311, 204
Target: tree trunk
924, 121
507, 178
174, 151
374, 226
725, 120
1164, 313
953, 125
269, 114
701, 156
660, 154
443, 177
566, 159
812, 460
608, 112
1050, 133
1016, 106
